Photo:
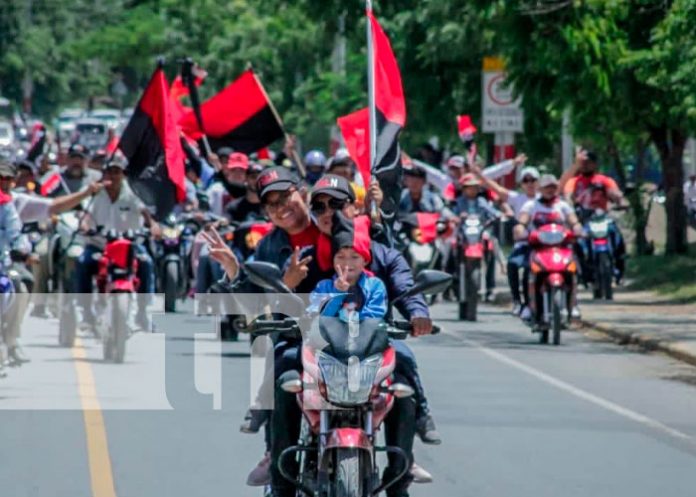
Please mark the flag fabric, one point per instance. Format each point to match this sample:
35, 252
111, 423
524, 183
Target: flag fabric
390, 109
49, 183
38, 142
180, 90
465, 127
152, 146
241, 116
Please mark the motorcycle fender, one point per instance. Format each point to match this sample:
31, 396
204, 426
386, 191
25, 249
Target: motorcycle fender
170, 258
556, 280
600, 244
348, 438
474, 251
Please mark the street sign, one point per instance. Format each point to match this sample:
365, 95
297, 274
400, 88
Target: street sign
501, 112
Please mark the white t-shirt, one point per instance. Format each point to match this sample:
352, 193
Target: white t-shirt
689, 191
517, 200
32, 208
218, 198
541, 213
122, 215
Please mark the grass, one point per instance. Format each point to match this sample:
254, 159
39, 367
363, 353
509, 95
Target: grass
672, 276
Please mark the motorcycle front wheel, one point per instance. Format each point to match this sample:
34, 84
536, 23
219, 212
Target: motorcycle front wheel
119, 326
557, 303
170, 285
349, 482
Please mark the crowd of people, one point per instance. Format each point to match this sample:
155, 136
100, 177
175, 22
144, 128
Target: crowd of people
330, 236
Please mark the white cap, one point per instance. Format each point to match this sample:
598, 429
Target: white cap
529, 171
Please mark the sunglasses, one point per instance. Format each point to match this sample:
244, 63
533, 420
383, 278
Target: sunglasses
528, 179
333, 204
282, 201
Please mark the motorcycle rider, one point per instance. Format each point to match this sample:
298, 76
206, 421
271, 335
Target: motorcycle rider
416, 197
117, 208
283, 198
341, 164
315, 164
548, 208
248, 206
76, 174
589, 190
470, 202
231, 179
10, 230
519, 256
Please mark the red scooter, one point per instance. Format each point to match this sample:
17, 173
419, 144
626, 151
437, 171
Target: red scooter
345, 392
553, 278
473, 245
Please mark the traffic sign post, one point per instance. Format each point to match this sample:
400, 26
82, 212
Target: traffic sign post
502, 113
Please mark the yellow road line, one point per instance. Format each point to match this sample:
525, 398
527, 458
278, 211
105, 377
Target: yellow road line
100, 471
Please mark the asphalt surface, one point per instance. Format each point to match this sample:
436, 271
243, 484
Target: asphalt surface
587, 418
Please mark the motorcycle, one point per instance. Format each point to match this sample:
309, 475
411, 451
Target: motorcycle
172, 256
345, 393
601, 254
473, 245
419, 236
551, 284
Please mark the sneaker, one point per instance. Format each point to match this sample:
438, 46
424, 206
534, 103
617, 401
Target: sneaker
420, 475
516, 308
425, 427
489, 296
254, 419
526, 314
17, 355
575, 313
260, 476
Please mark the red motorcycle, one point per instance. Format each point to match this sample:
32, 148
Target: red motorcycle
553, 270
117, 283
345, 392
473, 246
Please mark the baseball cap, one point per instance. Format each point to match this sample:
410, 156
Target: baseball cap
78, 150
334, 186
275, 179
7, 169
238, 160
118, 161
547, 180
529, 171
469, 180
456, 161
224, 152
255, 167
411, 169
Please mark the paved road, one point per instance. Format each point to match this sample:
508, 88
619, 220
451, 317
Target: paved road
588, 418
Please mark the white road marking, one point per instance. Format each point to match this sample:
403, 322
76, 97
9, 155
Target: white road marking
577, 392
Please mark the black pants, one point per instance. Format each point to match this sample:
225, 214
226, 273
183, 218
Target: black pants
519, 259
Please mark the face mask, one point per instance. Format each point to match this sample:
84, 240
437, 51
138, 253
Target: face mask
313, 176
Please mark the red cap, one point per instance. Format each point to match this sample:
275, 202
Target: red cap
238, 161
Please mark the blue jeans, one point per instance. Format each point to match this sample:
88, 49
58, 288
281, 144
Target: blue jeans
88, 266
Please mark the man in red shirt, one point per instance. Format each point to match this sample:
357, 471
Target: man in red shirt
589, 190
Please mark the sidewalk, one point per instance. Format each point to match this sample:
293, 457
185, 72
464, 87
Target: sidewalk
646, 319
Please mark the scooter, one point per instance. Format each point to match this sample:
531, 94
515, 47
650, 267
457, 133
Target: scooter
601, 254
473, 245
553, 271
345, 393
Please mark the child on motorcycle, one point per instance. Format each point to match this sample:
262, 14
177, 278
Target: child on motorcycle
352, 288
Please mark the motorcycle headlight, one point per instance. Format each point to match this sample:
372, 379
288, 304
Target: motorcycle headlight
599, 229
551, 237
170, 233
348, 384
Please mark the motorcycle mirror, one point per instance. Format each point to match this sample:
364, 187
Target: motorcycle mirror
266, 275
290, 382
400, 390
429, 282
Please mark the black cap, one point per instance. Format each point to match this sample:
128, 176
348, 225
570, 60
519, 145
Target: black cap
255, 167
27, 164
335, 186
275, 179
7, 169
414, 170
78, 150
224, 152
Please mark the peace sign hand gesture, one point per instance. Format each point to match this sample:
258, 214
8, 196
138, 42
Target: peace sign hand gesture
220, 252
297, 270
341, 282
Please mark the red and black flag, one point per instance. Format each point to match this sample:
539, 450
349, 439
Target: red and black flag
390, 118
241, 116
151, 144
38, 141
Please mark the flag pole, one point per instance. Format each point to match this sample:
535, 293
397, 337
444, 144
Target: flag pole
189, 80
372, 110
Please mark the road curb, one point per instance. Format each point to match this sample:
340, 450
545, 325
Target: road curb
647, 343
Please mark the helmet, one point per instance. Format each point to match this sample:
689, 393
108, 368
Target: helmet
315, 158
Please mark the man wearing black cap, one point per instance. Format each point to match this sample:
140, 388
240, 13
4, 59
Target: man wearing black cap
416, 197
248, 206
76, 174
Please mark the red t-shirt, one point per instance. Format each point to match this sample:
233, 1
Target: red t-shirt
590, 191
306, 237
